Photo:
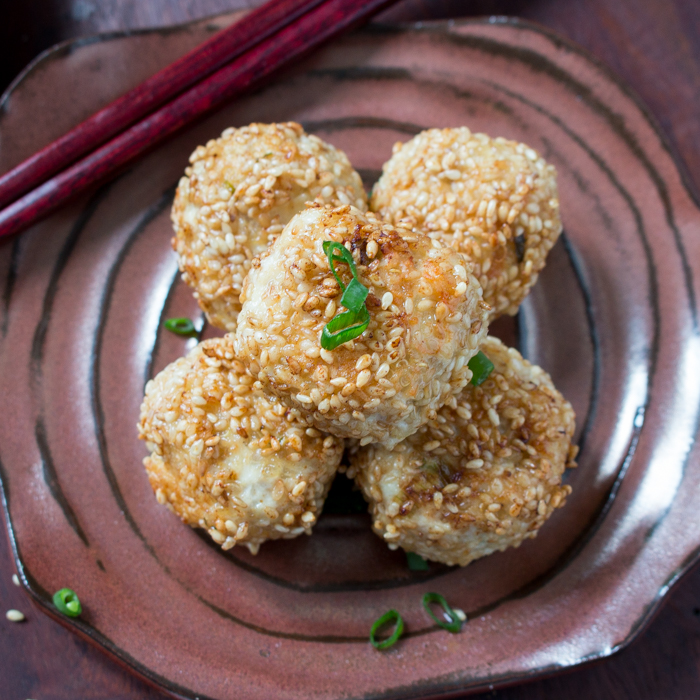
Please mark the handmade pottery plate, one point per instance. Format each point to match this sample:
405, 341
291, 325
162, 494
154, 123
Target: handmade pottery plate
613, 319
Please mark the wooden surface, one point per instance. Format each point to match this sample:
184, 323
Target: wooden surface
654, 46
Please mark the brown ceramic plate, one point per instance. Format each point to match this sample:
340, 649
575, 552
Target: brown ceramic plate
613, 319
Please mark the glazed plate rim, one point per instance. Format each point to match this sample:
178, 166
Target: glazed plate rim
96, 637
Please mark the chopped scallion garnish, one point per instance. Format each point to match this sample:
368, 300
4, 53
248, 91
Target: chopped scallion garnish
344, 327
481, 368
416, 562
390, 617
354, 296
181, 326
67, 602
454, 625
352, 323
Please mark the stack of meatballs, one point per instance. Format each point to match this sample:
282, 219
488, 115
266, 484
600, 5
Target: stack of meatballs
247, 432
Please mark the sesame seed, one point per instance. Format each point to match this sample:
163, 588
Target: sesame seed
363, 362
363, 377
14, 616
383, 370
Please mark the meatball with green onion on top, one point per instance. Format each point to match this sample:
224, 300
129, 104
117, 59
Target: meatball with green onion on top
238, 193
492, 199
483, 475
367, 328
227, 458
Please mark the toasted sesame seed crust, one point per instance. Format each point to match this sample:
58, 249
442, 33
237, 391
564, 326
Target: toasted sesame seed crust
238, 193
483, 475
227, 458
493, 200
426, 321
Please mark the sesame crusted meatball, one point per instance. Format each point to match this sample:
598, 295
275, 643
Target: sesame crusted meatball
426, 319
481, 476
238, 193
226, 458
493, 200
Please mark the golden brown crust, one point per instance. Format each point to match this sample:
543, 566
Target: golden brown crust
426, 320
229, 459
482, 476
238, 193
493, 200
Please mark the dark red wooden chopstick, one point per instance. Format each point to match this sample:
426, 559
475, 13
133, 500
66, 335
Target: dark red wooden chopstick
222, 48
326, 20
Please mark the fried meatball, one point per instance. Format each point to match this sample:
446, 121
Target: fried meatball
237, 195
226, 458
493, 200
481, 476
426, 321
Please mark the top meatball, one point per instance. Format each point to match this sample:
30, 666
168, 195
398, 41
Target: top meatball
493, 200
237, 195
426, 321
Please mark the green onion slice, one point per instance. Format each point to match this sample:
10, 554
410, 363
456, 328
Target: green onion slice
337, 252
354, 296
344, 327
181, 326
351, 323
392, 616
454, 625
67, 602
416, 562
481, 368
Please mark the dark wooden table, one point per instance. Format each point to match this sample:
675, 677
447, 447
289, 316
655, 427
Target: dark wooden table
654, 45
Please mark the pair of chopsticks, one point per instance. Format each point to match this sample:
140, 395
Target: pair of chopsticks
224, 67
